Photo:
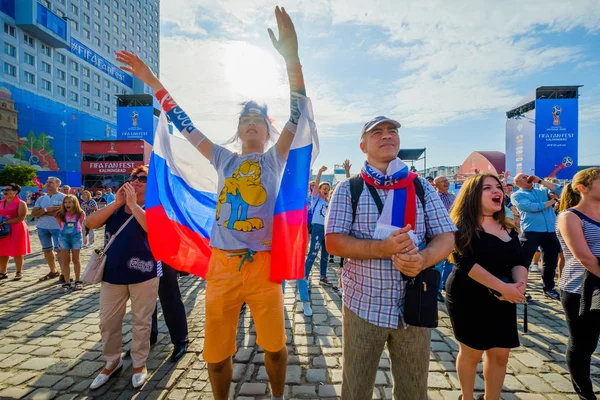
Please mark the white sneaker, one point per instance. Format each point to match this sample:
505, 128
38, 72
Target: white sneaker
534, 268
307, 310
138, 379
101, 379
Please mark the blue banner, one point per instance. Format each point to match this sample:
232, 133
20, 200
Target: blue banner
520, 144
135, 123
52, 21
556, 138
82, 51
8, 7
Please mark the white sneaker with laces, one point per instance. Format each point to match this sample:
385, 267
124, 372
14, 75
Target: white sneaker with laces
534, 268
307, 310
138, 379
101, 379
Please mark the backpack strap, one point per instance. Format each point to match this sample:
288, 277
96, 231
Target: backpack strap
356, 189
420, 192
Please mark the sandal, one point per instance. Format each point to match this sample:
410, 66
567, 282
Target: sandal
78, 285
18, 276
49, 275
66, 287
3, 276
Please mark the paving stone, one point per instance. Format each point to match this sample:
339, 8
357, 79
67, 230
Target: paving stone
46, 381
535, 383
16, 392
330, 390
316, 375
558, 382
304, 390
86, 368
253, 389
41, 394
39, 364
64, 383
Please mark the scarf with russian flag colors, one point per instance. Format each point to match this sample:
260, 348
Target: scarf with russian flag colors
400, 208
182, 210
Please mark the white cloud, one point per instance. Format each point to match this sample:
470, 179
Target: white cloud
456, 60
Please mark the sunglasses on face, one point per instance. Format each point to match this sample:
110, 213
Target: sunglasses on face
142, 179
7, 190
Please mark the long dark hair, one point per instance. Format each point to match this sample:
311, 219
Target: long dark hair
466, 213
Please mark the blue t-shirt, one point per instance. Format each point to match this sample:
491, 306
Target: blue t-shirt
319, 207
129, 259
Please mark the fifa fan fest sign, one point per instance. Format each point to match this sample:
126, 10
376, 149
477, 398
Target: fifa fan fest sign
542, 134
134, 123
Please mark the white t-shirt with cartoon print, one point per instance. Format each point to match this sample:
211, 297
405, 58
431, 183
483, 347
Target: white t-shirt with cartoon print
247, 192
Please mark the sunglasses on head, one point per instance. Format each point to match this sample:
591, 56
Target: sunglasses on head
142, 179
7, 190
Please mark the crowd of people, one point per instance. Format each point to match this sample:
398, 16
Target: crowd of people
396, 233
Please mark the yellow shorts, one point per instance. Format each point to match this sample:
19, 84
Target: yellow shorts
227, 288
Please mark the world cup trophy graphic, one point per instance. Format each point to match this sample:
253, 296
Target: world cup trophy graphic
134, 117
556, 111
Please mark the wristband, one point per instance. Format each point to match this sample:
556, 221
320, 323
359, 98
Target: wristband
292, 127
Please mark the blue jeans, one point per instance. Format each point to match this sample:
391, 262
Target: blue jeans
445, 267
317, 242
49, 238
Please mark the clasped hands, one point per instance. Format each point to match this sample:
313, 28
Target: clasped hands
405, 256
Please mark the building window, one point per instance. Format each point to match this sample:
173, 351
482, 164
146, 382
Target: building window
61, 58
61, 91
60, 74
96, 13
29, 59
74, 81
29, 77
106, 35
106, 21
86, 102
115, 16
46, 50
29, 41
115, 4
96, 106
74, 25
86, 18
74, 9
47, 4
106, 110
86, 33
10, 30
116, 29
123, 37
96, 78
97, 40
85, 71
106, 97
123, 24
97, 27
107, 48
10, 50
106, 8
74, 97
116, 43
10, 69
74, 66
115, 88
86, 4
106, 84
61, 13
96, 92
62, 2
46, 67
85, 86
46, 85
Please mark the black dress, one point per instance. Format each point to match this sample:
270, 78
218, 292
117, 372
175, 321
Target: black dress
479, 319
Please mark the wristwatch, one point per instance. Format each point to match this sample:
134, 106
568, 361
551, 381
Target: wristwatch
45, 210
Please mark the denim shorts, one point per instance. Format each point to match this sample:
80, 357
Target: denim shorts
70, 241
48, 238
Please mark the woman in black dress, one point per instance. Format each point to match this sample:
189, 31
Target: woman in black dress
484, 287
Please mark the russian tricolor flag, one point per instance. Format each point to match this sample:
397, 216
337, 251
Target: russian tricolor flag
180, 202
290, 223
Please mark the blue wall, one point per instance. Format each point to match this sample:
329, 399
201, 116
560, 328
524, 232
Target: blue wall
50, 134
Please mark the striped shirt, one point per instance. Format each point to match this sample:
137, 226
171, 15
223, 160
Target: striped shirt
374, 289
572, 275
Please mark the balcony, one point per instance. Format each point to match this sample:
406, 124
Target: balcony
42, 23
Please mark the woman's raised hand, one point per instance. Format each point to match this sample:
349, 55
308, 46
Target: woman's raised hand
135, 65
287, 45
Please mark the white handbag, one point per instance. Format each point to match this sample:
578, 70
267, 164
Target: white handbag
94, 269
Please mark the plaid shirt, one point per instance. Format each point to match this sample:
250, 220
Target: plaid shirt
374, 289
447, 199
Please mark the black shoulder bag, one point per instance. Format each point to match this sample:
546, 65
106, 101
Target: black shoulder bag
420, 300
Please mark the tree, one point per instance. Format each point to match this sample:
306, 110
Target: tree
21, 175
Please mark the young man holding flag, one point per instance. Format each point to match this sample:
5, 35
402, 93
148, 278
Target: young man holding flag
249, 202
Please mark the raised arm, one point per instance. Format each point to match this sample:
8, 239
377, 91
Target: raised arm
347, 167
315, 192
137, 67
99, 218
287, 46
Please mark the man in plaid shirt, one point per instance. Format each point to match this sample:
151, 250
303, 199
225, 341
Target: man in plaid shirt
445, 267
373, 286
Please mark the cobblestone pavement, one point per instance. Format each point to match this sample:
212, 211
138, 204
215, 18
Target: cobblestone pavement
50, 347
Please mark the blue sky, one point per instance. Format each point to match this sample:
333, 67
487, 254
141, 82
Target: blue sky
446, 70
